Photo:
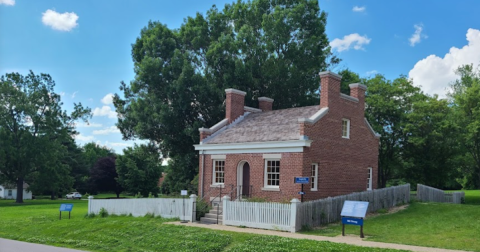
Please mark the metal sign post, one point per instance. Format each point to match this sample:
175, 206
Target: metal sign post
353, 213
301, 180
183, 193
65, 208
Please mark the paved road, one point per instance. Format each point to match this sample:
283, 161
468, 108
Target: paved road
18, 246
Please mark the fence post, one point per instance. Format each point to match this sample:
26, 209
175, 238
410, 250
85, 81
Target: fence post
293, 214
225, 199
193, 200
90, 198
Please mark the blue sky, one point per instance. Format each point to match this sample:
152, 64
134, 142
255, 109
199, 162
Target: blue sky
85, 45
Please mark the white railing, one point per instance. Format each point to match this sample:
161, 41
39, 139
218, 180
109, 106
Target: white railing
266, 215
165, 207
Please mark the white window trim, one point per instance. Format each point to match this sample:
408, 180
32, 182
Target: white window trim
265, 177
214, 184
348, 128
370, 178
315, 186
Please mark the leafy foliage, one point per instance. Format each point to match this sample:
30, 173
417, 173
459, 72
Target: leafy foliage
104, 175
139, 169
34, 130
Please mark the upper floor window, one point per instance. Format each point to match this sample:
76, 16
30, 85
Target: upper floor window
218, 171
314, 177
369, 178
272, 173
345, 128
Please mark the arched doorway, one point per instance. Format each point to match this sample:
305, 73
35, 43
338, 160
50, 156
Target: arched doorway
243, 179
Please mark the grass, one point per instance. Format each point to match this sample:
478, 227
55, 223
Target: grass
472, 197
37, 221
423, 224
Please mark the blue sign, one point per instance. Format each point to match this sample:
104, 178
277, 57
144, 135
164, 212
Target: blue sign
352, 221
302, 180
354, 208
301, 193
66, 207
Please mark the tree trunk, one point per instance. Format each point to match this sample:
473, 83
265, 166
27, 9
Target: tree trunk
118, 194
19, 190
52, 195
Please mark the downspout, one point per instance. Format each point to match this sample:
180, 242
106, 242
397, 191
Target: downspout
203, 173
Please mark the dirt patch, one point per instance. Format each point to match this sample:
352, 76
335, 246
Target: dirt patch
389, 211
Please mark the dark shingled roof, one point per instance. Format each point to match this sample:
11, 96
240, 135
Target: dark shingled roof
276, 125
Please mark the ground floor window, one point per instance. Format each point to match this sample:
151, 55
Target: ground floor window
314, 177
9, 192
369, 178
272, 173
218, 171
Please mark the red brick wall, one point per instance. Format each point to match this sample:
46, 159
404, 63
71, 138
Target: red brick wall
234, 106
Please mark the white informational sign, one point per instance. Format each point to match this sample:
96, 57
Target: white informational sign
183, 192
354, 208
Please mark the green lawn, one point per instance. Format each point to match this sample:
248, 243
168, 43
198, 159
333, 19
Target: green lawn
472, 197
424, 224
37, 221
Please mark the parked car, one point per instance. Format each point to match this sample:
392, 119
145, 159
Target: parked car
74, 195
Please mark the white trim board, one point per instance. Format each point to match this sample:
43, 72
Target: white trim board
256, 147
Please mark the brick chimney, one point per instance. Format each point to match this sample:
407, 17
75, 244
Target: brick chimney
234, 104
330, 88
357, 90
265, 103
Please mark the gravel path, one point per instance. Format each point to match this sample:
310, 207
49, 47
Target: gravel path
352, 240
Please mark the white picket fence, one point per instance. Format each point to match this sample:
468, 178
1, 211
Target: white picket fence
427, 193
266, 215
165, 207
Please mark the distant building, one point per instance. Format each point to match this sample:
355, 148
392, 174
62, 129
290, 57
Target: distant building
9, 191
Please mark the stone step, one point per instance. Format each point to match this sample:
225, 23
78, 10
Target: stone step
206, 220
213, 216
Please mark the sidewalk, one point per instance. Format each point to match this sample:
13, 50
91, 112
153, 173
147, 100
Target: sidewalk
357, 241
19, 246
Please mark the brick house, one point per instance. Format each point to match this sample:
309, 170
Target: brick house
258, 152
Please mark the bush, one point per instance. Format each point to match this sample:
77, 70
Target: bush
90, 215
149, 215
201, 208
103, 212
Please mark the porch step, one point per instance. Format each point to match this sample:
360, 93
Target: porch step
211, 216
205, 220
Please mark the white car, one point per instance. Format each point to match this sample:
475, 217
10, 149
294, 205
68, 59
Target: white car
74, 195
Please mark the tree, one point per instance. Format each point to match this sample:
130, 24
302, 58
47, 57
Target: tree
465, 98
388, 103
431, 144
267, 48
91, 152
104, 175
32, 126
139, 169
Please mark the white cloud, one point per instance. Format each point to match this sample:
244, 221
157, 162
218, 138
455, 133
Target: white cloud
60, 21
74, 94
105, 111
107, 143
417, 35
353, 40
373, 72
106, 131
8, 2
62, 93
107, 99
435, 74
359, 9
88, 125
83, 138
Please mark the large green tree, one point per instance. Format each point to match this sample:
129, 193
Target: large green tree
388, 104
32, 126
465, 97
139, 169
266, 48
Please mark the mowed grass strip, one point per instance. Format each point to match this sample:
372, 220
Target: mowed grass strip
37, 221
441, 225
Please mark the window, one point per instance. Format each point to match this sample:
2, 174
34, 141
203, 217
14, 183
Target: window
9, 192
314, 177
218, 171
369, 178
346, 128
272, 173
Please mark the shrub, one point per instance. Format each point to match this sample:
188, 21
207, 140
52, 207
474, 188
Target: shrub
150, 195
149, 215
138, 195
90, 215
103, 212
201, 208
382, 211
256, 199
